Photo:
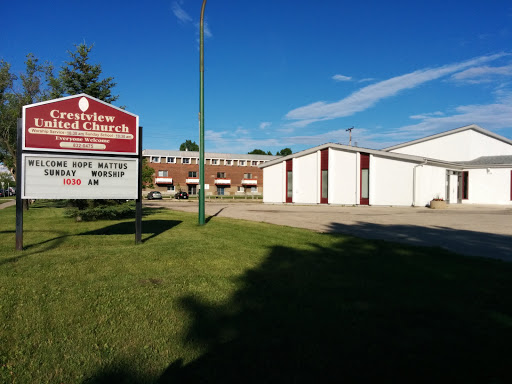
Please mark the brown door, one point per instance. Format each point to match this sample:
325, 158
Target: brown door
364, 198
289, 181
324, 176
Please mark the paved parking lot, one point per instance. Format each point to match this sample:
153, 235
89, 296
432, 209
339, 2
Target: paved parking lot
471, 230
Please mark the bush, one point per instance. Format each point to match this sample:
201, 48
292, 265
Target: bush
109, 210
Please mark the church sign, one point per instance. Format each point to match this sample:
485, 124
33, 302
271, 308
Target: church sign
78, 147
79, 123
75, 177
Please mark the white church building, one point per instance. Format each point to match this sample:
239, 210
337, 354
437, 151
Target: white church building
467, 165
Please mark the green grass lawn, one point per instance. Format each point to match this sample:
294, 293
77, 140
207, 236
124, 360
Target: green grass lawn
242, 302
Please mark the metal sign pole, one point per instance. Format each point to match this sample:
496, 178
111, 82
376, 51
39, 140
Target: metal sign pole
19, 181
201, 119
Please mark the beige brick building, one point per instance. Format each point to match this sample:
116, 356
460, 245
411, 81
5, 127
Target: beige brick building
224, 173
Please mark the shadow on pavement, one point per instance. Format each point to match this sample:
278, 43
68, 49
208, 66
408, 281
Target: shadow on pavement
460, 241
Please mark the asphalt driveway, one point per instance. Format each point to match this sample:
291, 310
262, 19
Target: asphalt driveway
467, 229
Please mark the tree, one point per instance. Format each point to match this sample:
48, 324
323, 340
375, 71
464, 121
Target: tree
8, 115
34, 88
37, 84
147, 173
257, 152
189, 145
269, 153
6, 179
284, 152
79, 76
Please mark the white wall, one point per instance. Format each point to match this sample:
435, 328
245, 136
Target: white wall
430, 184
274, 183
460, 146
489, 187
306, 180
391, 181
343, 177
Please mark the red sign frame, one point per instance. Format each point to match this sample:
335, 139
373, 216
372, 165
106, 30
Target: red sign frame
80, 124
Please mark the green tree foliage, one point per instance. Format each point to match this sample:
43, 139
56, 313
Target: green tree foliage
284, 152
8, 116
257, 152
80, 76
189, 145
38, 83
260, 152
7, 180
147, 174
33, 85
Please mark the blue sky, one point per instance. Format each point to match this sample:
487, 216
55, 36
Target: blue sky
286, 73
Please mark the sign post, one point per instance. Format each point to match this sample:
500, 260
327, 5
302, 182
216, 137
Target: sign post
77, 147
19, 201
138, 202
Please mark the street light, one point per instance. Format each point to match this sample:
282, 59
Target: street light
201, 117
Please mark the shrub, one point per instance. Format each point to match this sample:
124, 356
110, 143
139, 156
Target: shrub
113, 210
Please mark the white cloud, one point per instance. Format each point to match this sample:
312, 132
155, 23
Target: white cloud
242, 145
365, 80
207, 31
426, 115
482, 74
180, 13
302, 123
241, 131
214, 136
185, 18
495, 116
370, 95
341, 78
265, 124
362, 136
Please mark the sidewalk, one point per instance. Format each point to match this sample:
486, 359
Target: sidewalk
7, 203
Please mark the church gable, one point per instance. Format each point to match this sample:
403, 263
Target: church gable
462, 144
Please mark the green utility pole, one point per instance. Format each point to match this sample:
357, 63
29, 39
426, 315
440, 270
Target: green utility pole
201, 117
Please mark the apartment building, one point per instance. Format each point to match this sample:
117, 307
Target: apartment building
225, 173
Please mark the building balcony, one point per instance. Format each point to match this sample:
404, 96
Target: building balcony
222, 181
163, 180
249, 182
192, 180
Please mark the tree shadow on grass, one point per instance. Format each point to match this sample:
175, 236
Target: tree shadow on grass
121, 372
360, 311
150, 229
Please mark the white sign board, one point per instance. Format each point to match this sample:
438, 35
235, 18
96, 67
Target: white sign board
79, 177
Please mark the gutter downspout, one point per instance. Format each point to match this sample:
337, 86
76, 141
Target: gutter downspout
425, 161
